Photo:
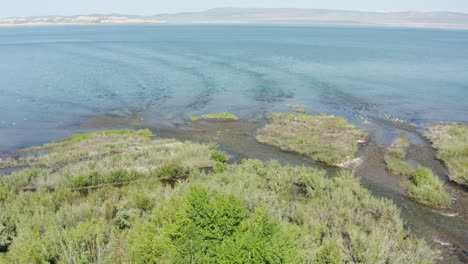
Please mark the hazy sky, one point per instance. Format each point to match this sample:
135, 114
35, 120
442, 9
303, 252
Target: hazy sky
10, 8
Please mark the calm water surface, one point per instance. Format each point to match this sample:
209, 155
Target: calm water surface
52, 78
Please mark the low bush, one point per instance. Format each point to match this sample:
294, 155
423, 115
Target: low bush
427, 189
218, 156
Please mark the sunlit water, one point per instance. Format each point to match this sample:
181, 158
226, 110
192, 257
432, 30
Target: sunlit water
51, 78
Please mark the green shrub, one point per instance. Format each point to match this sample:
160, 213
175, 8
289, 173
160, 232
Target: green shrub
395, 157
110, 210
397, 166
125, 218
219, 156
219, 167
428, 189
451, 141
143, 202
172, 170
4, 193
397, 153
329, 253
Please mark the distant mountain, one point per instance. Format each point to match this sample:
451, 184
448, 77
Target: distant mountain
266, 16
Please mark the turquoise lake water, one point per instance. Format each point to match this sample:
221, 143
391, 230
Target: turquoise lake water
53, 78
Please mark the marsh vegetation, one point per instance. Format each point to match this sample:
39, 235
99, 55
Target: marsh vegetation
423, 186
427, 189
324, 138
219, 116
251, 212
395, 157
451, 142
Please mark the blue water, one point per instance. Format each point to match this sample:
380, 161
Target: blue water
53, 78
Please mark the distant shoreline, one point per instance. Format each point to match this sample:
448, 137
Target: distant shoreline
450, 27
287, 16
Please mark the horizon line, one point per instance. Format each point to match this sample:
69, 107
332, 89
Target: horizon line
227, 7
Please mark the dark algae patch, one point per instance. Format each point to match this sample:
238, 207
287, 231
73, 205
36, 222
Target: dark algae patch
248, 212
324, 138
451, 142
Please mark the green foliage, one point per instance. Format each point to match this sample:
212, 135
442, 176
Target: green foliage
395, 157
239, 213
397, 153
221, 116
143, 202
110, 209
97, 178
428, 189
396, 165
329, 253
451, 142
218, 156
328, 139
172, 170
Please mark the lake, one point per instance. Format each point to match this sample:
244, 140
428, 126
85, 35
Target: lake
53, 78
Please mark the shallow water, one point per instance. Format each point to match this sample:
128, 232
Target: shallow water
53, 77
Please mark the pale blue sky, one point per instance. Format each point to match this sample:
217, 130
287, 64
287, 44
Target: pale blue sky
10, 8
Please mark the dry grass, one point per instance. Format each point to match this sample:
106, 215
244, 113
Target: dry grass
324, 138
451, 142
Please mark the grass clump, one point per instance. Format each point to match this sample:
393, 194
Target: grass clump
395, 157
220, 116
324, 138
397, 166
451, 142
427, 189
